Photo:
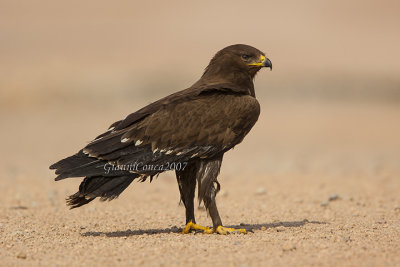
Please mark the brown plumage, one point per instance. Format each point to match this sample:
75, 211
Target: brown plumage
188, 131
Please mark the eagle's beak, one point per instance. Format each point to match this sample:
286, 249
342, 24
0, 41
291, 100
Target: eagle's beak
263, 62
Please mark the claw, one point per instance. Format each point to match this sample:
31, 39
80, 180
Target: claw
226, 230
205, 230
192, 226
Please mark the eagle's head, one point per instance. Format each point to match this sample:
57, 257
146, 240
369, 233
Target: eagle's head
237, 59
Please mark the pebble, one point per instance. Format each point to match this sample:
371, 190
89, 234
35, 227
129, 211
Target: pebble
21, 255
324, 204
333, 197
288, 247
280, 229
18, 233
380, 221
261, 191
346, 239
20, 207
263, 228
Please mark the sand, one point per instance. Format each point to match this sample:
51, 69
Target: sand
317, 183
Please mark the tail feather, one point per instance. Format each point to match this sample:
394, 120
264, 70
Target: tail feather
98, 168
81, 165
71, 162
107, 188
76, 200
98, 182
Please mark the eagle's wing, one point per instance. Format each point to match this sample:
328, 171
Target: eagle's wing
199, 127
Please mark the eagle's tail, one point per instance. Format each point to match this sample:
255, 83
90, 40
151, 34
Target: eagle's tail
82, 165
100, 180
107, 188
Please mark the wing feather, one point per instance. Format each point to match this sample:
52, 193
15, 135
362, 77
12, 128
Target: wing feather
200, 127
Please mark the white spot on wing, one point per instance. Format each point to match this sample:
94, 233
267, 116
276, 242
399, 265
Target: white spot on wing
163, 150
155, 150
96, 139
179, 153
138, 142
169, 152
124, 140
111, 128
85, 152
194, 155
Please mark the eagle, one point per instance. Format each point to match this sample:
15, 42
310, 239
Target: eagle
187, 132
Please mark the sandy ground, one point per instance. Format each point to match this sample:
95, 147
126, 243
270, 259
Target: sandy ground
318, 183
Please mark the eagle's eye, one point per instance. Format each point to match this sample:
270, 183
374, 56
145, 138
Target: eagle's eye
245, 56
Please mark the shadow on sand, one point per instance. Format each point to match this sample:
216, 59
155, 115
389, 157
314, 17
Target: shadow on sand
175, 229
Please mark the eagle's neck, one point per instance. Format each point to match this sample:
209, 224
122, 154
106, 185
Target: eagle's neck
229, 75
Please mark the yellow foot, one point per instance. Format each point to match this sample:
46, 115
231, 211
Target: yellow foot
192, 226
226, 230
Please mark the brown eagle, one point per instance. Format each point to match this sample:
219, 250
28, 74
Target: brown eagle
188, 132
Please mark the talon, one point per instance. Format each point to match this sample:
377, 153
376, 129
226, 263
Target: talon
226, 230
198, 228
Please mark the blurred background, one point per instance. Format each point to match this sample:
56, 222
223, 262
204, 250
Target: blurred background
330, 105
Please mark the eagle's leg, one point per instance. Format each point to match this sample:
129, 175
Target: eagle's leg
211, 206
207, 178
187, 184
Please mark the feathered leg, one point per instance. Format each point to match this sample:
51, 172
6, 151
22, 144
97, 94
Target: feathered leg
207, 173
211, 206
187, 184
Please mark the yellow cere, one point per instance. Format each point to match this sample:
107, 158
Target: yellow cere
260, 63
